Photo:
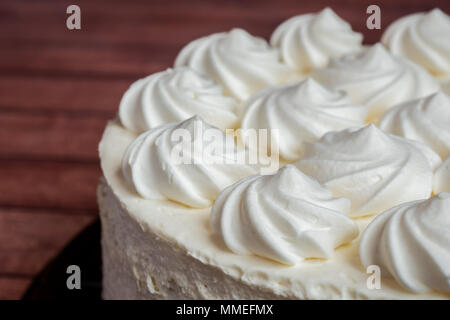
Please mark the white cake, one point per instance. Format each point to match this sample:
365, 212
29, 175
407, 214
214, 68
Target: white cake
221, 228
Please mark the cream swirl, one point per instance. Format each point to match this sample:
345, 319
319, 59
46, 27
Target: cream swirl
373, 169
301, 112
424, 119
285, 217
188, 162
411, 243
423, 38
441, 181
243, 64
308, 41
376, 78
175, 95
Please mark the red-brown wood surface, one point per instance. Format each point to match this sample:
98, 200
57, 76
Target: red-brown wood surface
59, 87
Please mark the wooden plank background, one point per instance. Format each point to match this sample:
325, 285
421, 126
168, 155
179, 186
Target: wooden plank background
59, 87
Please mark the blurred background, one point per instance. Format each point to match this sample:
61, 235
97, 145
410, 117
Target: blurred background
58, 87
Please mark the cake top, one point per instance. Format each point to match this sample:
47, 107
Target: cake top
366, 127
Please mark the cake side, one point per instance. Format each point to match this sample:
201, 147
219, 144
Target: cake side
139, 264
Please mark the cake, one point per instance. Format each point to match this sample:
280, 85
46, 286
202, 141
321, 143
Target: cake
287, 169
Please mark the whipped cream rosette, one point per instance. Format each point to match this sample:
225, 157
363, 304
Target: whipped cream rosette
286, 217
176, 95
240, 62
377, 78
308, 41
300, 112
425, 119
423, 38
163, 166
411, 243
373, 169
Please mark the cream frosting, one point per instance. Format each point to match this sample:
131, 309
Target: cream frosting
242, 63
188, 242
425, 119
441, 181
286, 217
176, 95
308, 41
377, 78
301, 112
373, 169
411, 243
155, 163
423, 38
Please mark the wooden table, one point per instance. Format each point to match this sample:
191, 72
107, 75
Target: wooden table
59, 87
